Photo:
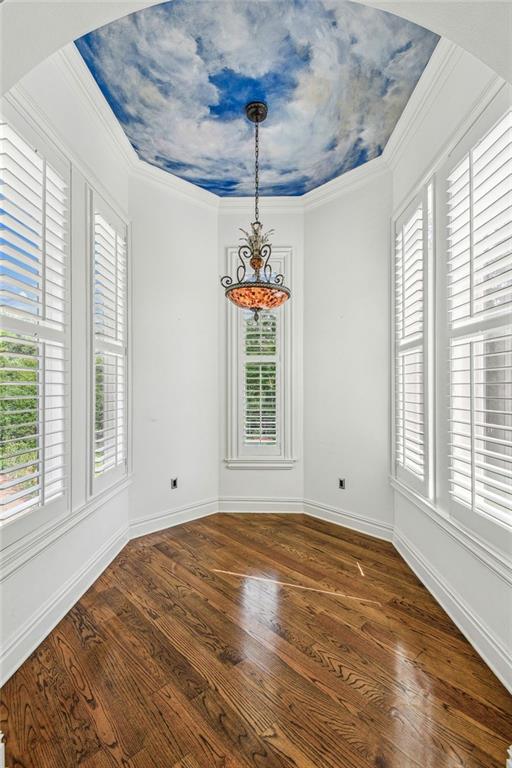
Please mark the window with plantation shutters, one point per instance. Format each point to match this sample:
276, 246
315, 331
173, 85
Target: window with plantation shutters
260, 371
413, 245
34, 350
109, 344
479, 287
259, 381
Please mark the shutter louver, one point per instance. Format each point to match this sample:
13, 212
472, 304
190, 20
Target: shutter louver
479, 306
410, 290
34, 214
109, 319
260, 379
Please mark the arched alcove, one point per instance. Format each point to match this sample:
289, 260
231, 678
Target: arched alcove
33, 31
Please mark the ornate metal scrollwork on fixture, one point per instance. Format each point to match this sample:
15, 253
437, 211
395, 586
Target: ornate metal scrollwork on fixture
262, 290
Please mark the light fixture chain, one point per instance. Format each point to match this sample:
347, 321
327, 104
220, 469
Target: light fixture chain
257, 173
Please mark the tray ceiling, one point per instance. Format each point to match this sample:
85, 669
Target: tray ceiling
336, 75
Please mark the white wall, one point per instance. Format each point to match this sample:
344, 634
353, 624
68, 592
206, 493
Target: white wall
178, 360
175, 355
46, 571
271, 489
174, 360
346, 356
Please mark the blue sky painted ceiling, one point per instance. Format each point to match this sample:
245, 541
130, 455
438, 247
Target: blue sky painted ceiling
336, 75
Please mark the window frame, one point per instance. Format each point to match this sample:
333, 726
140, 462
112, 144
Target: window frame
492, 531
238, 455
98, 484
246, 450
426, 198
23, 523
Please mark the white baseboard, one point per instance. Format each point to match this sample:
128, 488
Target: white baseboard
34, 631
492, 651
144, 525
260, 504
372, 527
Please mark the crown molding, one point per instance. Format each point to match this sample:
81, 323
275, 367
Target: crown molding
28, 110
489, 92
242, 205
70, 63
444, 59
71, 66
185, 190
347, 182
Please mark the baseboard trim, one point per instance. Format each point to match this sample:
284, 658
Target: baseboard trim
171, 517
261, 504
34, 631
492, 651
347, 519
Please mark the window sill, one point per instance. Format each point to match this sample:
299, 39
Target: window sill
489, 556
15, 554
260, 463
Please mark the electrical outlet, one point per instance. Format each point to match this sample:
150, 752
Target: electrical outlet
174, 483
342, 483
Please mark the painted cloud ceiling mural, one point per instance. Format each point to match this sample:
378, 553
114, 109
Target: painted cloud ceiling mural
336, 75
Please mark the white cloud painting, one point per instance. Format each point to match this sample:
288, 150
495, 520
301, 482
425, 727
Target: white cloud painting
336, 76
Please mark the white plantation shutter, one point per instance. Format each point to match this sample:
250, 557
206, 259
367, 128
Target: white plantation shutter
34, 351
260, 370
413, 237
109, 317
480, 331
260, 379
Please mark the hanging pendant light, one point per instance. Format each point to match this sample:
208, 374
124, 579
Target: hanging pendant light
263, 289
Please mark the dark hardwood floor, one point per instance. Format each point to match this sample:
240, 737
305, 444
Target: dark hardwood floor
256, 640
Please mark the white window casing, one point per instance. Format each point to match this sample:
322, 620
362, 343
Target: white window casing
35, 324
479, 324
259, 377
108, 345
413, 258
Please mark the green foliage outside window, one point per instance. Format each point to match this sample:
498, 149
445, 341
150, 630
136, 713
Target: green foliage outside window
19, 412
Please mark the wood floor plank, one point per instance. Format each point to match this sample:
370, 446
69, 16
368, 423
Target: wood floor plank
219, 644
344, 638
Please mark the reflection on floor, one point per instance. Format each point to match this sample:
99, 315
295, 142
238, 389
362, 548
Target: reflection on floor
256, 640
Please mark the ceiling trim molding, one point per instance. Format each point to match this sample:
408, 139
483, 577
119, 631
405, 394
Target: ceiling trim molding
23, 104
243, 205
442, 63
347, 182
71, 66
185, 190
325, 193
70, 63
490, 91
